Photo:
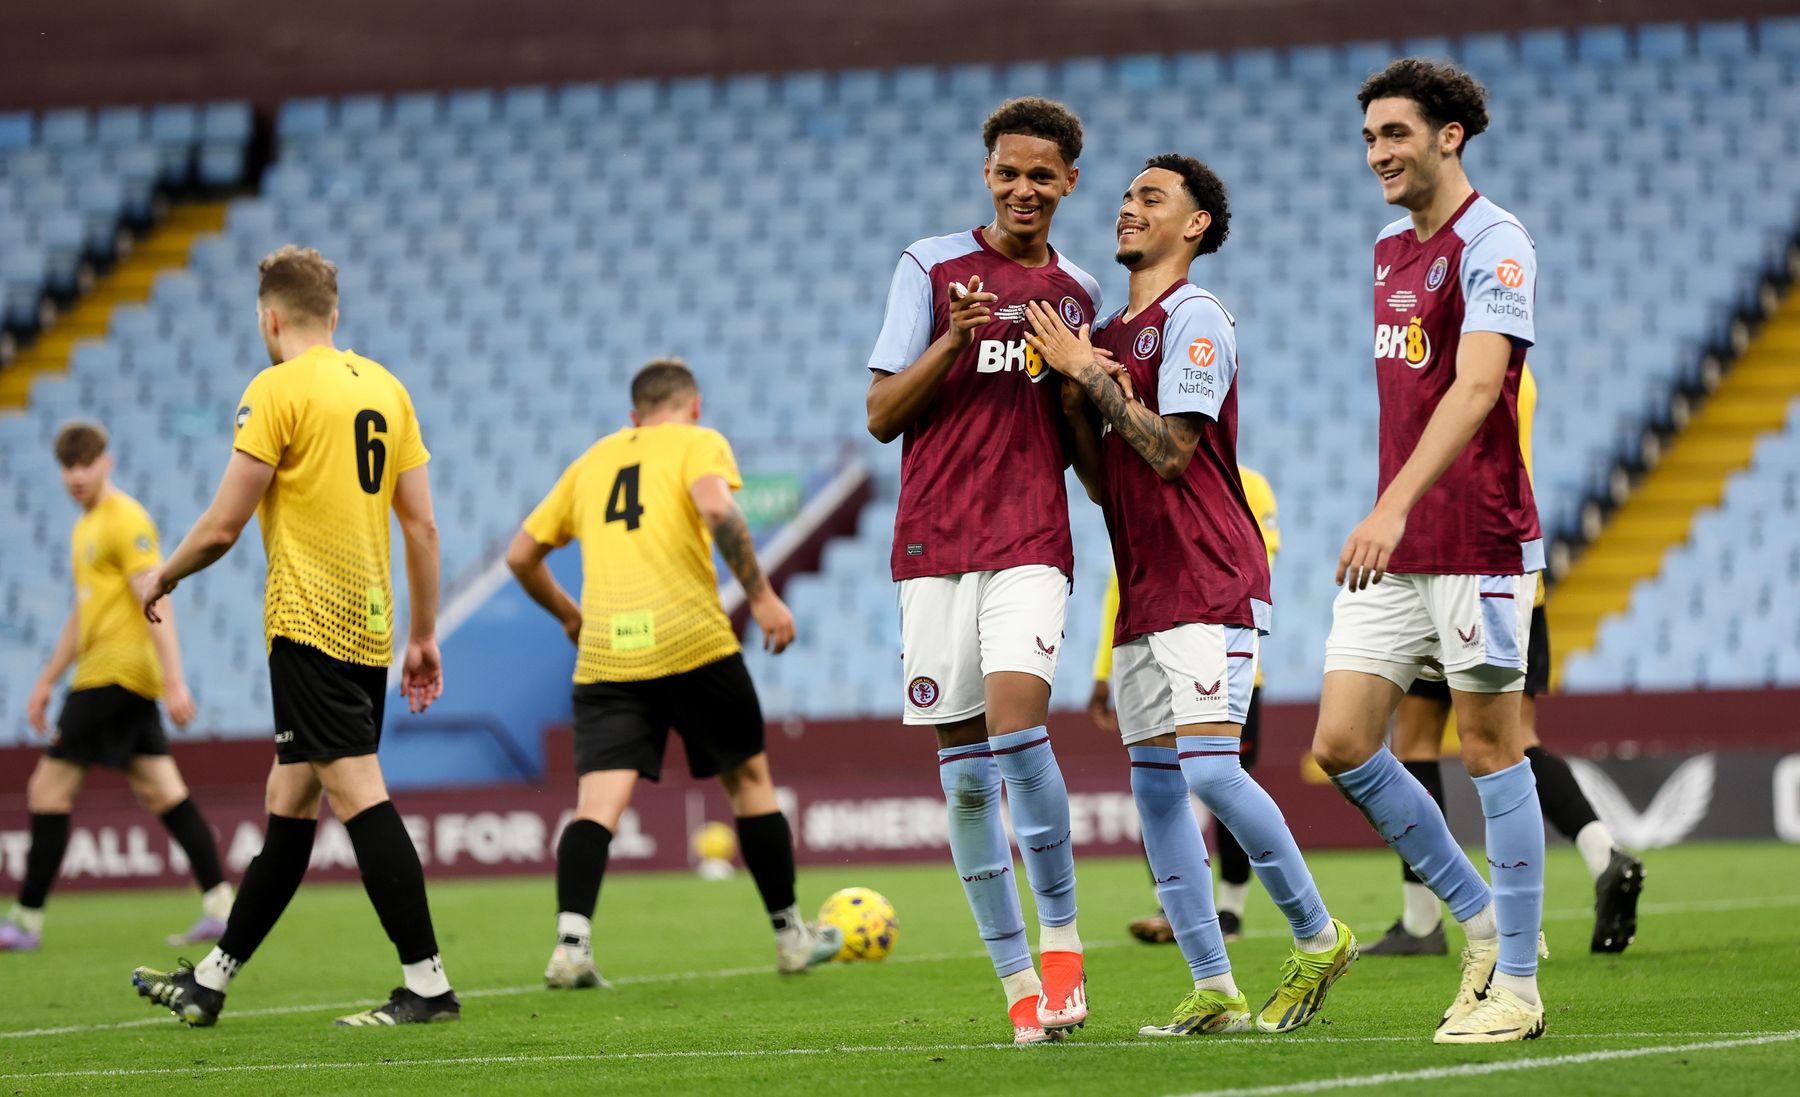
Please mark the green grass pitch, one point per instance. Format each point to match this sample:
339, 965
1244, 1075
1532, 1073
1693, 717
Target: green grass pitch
1703, 1003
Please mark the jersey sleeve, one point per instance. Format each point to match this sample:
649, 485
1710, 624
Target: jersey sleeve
137, 546
1109, 615
906, 330
709, 454
1199, 360
412, 443
1499, 283
264, 424
553, 521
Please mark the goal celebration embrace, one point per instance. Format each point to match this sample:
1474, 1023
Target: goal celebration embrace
622, 553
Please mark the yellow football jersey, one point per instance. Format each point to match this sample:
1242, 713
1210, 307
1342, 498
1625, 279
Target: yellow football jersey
649, 594
110, 544
339, 429
1261, 498
1528, 396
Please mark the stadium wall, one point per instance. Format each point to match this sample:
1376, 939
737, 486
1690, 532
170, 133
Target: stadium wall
121, 51
1663, 768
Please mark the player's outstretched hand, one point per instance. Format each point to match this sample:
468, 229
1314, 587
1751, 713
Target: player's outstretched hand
969, 310
1100, 708
37, 707
1067, 352
180, 703
1365, 556
422, 675
775, 620
148, 587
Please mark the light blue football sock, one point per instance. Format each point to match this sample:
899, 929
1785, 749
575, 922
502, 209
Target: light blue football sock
1515, 852
1177, 852
1040, 817
1402, 812
983, 857
1212, 769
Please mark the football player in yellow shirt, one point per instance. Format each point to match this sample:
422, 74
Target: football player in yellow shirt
327, 445
122, 665
1420, 723
1234, 863
656, 651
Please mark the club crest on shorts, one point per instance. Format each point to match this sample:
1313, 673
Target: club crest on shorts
1146, 343
1435, 276
922, 691
1071, 312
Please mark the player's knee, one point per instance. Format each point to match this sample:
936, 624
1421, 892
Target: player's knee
46, 795
1338, 753
158, 797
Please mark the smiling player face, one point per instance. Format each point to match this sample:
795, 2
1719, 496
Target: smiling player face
1157, 220
1406, 155
1027, 177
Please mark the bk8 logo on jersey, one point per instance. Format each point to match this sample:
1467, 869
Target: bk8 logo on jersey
1408, 343
1007, 355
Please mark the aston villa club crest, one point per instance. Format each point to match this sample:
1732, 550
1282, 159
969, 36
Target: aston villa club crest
1071, 312
1435, 276
923, 691
1146, 343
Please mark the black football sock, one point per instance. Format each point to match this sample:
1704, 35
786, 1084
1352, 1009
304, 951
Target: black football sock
269, 884
188, 827
1234, 863
49, 839
394, 879
1431, 775
1565, 805
580, 866
768, 847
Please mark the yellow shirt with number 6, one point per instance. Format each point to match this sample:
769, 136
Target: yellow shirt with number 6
649, 594
339, 430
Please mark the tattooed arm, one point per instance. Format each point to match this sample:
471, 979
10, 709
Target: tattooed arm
712, 495
1166, 441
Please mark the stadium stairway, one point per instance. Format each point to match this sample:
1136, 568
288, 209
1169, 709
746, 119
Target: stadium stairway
163, 248
1719, 440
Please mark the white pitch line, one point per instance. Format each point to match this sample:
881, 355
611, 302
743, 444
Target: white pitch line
1696, 907
903, 1049
1471, 1070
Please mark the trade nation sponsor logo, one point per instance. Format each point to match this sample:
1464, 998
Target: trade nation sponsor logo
1510, 273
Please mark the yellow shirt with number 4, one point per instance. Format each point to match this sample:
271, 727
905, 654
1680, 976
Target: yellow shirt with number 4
339, 430
649, 594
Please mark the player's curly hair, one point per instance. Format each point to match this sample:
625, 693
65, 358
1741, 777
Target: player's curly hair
1034, 116
1443, 92
80, 442
301, 279
1207, 190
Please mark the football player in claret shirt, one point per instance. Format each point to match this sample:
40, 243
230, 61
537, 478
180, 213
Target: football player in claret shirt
1441, 573
656, 651
1193, 589
982, 551
122, 664
326, 447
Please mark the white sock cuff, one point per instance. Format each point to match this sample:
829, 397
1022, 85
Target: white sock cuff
1059, 939
1481, 926
1021, 984
574, 925
426, 978
1232, 898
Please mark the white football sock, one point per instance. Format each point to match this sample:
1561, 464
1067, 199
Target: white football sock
1596, 845
1224, 984
1021, 984
1059, 939
29, 920
1232, 898
426, 978
574, 925
216, 902
1420, 912
1481, 926
1323, 941
216, 971
1525, 986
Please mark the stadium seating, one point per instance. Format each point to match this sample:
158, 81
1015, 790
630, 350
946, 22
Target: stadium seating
69, 178
1739, 572
516, 254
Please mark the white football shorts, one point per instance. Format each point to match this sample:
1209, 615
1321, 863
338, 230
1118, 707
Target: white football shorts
1475, 630
1190, 674
955, 630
